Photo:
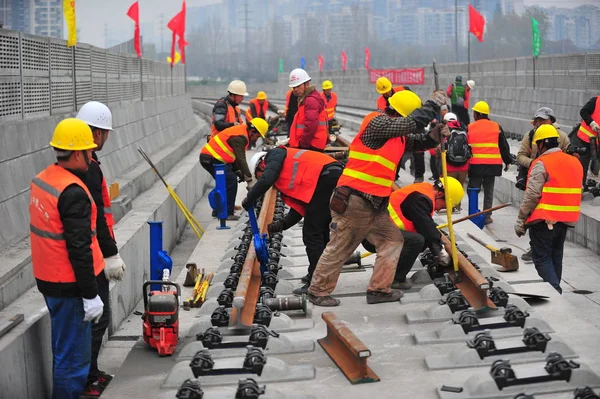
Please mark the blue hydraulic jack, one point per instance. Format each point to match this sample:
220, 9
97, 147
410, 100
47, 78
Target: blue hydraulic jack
217, 198
260, 242
161, 264
473, 194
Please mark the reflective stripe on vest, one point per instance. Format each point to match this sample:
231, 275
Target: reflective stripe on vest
372, 171
561, 194
330, 105
218, 146
483, 139
585, 132
299, 176
398, 197
49, 254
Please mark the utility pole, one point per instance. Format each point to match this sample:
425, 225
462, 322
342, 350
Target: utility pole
247, 36
106, 35
456, 28
162, 30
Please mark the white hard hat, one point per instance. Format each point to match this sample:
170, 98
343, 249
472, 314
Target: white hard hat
450, 117
237, 87
298, 76
256, 158
471, 83
96, 114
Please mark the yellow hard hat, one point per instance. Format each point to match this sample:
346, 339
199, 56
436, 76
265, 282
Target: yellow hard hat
327, 85
73, 134
405, 102
261, 95
383, 85
545, 132
261, 125
482, 107
454, 193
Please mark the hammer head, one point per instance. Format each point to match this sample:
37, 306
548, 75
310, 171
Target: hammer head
504, 257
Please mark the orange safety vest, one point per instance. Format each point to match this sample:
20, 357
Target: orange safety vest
299, 176
398, 196
561, 194
219, 148
483, 139
372, 171
585, 132
330, 105
110, 221
259, 112
382, 102
49, 254
233, 115
319, 140
287, 100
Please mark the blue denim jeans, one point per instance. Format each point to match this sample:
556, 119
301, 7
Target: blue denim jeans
547, 247
71, 347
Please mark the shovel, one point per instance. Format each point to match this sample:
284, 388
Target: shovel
502, 256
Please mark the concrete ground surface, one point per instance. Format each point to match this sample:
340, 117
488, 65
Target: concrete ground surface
396, 358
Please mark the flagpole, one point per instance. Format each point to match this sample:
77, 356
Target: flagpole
468, 56
534, 72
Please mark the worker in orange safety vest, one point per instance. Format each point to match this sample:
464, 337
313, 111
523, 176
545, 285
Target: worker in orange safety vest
226, 111
587, 136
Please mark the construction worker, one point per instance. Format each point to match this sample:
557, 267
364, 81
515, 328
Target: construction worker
457, 157
309, 129
434, 159
359, 202
291, 108
66, 255
384, 87
551, 204
259, 106
459, 95
99, 118
229, 148
330, 99
226, 111
490, 148
529, 151
411, 208
306, 180
587, 135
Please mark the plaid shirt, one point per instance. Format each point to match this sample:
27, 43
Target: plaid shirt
380, 130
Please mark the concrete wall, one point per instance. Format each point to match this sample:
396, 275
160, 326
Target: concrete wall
166, 129
512, 107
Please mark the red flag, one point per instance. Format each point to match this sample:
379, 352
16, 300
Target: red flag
321, 62
367, 57
476, 23
134, 13
177, 26
344, 60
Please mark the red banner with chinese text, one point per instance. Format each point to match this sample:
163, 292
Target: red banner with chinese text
408, 76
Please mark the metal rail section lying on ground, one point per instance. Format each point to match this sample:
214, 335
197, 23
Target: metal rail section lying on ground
246, 294
473, 285
346, 350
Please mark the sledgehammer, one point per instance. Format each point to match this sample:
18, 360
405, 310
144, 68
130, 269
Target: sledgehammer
502, 256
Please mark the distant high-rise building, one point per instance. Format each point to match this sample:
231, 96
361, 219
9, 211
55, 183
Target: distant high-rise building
5, 14
37, 17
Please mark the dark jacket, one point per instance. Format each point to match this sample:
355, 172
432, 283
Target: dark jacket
75, 210
93, 181
494, 170
314, 104
587, 111
417, 208
220, 113
238, 145
292, 109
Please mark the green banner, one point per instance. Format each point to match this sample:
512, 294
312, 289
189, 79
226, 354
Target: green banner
281, 68
536, 38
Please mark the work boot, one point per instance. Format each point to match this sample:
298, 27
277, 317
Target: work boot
93, 390
354, 258
214, 213
489, 220
374, 297
401, 285
457, 209
104, 378
306, 279
327, 301
433, 178
527, 257
302, 290
233, 217
418, 179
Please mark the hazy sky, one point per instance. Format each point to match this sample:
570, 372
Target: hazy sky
92, 15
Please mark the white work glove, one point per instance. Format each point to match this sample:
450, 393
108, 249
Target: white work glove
595, 127
93, 309
280, 112
519, 229
444, 258
114, 268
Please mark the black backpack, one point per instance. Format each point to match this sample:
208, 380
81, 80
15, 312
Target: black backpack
459, 150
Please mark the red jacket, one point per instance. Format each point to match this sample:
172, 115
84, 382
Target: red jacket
314, 105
